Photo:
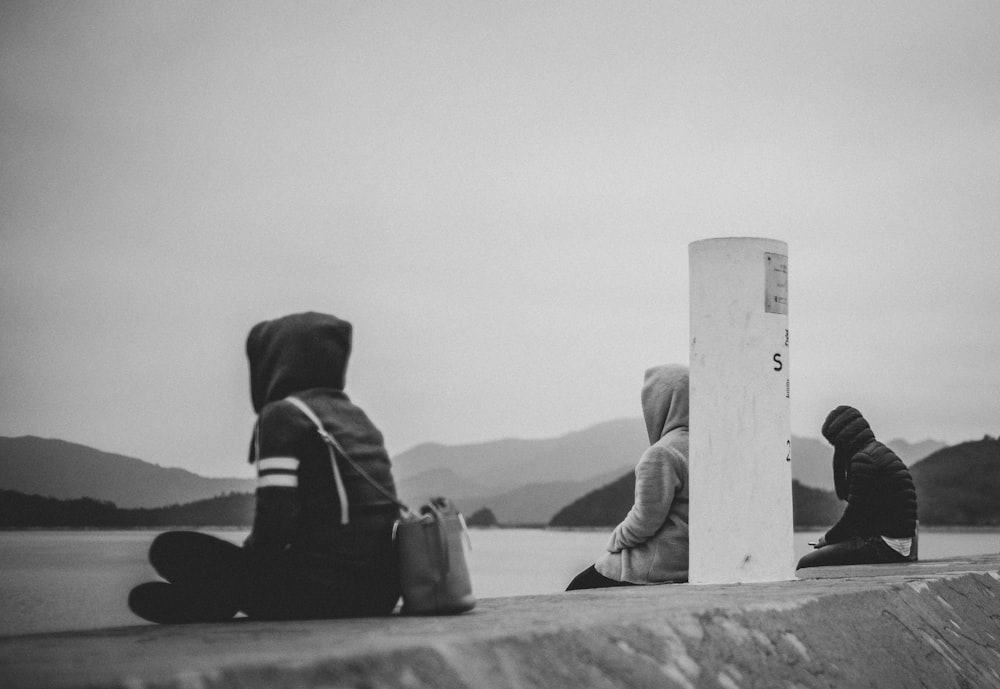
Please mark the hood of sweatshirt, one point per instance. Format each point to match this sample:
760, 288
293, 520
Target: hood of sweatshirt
297, 352
665, 394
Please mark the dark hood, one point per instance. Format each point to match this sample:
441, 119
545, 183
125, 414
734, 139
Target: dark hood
665, 394
297, 352
848, 431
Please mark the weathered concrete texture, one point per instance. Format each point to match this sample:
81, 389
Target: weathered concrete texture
932, 624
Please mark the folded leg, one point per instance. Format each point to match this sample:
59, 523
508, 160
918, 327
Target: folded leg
868, 550
163, 603
207, 580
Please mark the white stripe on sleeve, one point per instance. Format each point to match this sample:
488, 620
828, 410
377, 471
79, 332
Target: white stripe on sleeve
277, 463
278, 480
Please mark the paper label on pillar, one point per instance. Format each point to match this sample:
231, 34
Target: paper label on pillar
775, 283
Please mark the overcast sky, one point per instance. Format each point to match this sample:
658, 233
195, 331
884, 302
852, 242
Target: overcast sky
500, 197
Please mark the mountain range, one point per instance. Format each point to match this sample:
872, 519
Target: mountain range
956, 485
535, 472
60, 469
960, 484
520, 481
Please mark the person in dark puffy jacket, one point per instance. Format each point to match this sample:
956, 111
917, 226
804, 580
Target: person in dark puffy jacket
879, 523
321, 543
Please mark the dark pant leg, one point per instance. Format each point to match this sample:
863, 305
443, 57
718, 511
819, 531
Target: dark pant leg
858, 550
206, 580
197, 560
590, 578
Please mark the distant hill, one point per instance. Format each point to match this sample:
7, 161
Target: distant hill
608, 505
482, 517
957, 485
814, 507
60, 469
960, 484
812, 459
19, 510
534, 503
605, 506
434, 482
520, 481
911, 453
490, 465
502, 465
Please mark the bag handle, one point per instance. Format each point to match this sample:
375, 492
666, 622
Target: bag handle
333, 447
435, 508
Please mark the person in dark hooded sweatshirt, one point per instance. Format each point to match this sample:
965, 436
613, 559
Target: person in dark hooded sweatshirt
650, 546
321, 543
879, 523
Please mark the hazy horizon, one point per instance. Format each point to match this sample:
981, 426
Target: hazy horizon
499, 198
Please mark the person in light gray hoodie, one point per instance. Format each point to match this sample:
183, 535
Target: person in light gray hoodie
650, 546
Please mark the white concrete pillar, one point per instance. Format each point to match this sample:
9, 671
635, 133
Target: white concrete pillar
740, 434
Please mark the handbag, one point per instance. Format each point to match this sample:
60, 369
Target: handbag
433, 571
433, 574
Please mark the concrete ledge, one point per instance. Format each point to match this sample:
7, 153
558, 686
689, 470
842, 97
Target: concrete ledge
929, 624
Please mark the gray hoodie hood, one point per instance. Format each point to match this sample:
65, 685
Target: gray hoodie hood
665, 395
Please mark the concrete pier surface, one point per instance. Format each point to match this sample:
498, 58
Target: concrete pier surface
927, 624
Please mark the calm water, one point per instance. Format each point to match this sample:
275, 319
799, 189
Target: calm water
63, 580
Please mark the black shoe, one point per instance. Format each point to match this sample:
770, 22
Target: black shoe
164, 603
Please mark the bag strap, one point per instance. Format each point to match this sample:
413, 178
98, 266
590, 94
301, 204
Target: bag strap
333, 448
